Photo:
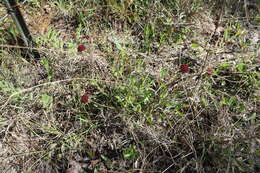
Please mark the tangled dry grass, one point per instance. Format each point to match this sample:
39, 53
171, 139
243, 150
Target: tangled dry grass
143, 112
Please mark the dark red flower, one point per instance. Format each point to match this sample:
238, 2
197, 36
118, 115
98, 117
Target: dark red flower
185, 68
81, 48
85, 98
209, 70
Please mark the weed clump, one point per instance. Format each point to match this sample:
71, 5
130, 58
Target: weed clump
153, 86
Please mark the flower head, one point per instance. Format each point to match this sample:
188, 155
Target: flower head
184, 68
85, 98
81, 48
209, 70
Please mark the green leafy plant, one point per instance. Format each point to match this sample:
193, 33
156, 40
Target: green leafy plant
130, 153
136, 94
47, 67
8, 87
233, 103
241, 67
46, 101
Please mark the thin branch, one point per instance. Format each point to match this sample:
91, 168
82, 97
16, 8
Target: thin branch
45, 84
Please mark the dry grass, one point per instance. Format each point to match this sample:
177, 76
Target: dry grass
144, 114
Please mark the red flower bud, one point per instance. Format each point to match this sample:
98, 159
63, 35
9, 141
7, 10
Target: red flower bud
185, 68
209, 70
85, 98
81, 48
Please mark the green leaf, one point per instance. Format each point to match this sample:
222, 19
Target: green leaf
241, 67
130, 153
48, 68
46, 100
194, 45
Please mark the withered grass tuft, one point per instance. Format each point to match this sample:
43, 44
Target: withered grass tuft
127, 103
